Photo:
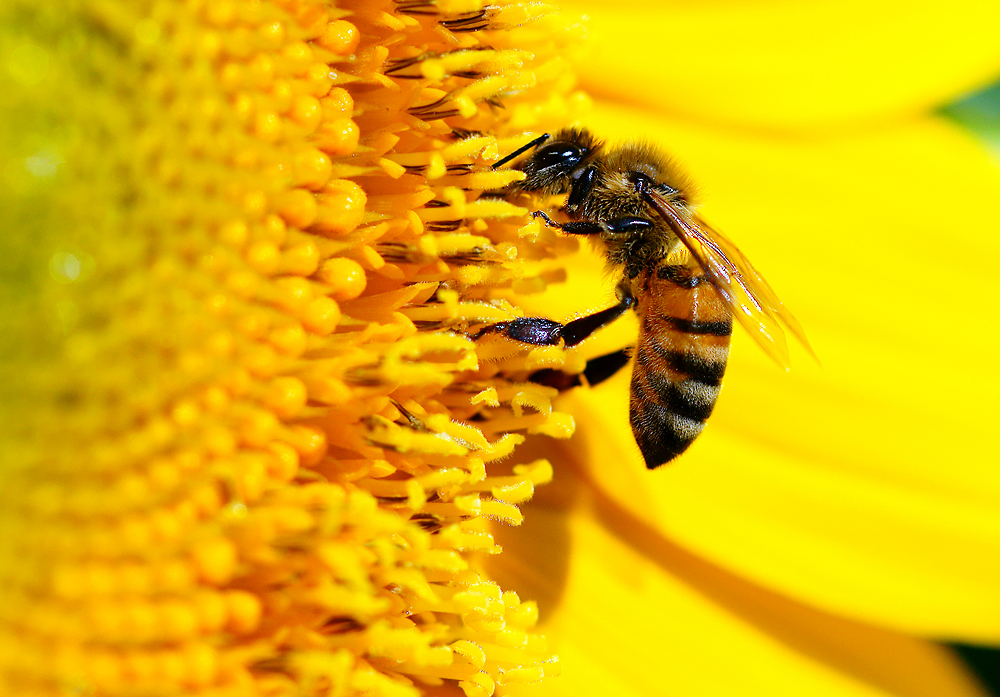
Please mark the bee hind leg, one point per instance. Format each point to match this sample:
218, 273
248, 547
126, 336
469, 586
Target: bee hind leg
540, 331
597, 371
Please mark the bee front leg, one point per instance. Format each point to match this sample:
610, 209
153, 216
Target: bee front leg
577, 227
540, 331
625, 225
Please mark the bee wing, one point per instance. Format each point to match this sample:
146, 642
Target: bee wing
752, 300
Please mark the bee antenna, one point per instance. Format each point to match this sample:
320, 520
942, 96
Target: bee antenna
537, 141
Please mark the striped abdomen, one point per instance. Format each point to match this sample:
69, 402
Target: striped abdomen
680, 358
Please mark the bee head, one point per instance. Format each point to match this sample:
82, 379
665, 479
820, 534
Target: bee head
558, 157
551, 167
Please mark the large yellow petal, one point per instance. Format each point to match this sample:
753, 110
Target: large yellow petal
633, 614
789, 65
867, 486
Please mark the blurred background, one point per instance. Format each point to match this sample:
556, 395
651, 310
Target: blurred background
979, 112
742, 91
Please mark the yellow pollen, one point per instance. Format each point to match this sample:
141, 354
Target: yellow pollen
250, 443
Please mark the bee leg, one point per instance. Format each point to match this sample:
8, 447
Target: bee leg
597, 371
603, 367
578, 227
627, 224
582, 183
539, 331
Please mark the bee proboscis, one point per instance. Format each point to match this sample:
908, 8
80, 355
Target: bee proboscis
685, 280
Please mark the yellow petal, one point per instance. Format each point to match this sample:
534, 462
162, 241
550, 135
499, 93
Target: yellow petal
634, 614
868, 485
781, 65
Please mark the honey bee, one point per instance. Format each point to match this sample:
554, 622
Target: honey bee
685, 281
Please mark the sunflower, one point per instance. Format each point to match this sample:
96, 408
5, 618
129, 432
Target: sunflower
251, 447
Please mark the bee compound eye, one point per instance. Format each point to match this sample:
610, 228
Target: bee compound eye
560, 155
